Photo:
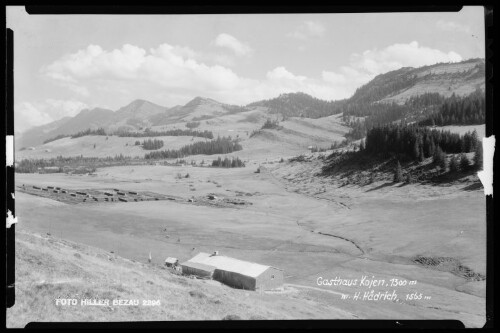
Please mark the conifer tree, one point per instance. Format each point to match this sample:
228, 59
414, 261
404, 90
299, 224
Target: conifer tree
478, 157
398, 173
439, 158
464, 162
421, 154
453, 164
409, 179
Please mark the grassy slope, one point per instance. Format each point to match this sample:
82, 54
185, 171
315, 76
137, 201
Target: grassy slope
48, 268
297, 134
391, 223
112, 146
443, 86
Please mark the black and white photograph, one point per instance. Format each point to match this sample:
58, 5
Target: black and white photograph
249, 166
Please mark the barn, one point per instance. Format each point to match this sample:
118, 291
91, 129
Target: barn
241, 274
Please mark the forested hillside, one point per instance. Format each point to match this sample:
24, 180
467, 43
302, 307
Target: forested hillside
469, 110
300, 105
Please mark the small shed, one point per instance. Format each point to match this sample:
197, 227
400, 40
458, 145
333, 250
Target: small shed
171, 262
198, 269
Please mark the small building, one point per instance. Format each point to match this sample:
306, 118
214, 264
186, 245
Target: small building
171, 262
198, 269
238, 273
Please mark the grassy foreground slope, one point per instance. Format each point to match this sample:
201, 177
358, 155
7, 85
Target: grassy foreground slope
48, 268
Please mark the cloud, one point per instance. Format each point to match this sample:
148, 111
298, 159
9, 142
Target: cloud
176, 74
167, 65
230, 42
281, 74
94, 61
308, 29
453, 27
400, 55
28, 114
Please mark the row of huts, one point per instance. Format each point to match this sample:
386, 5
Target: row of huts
230, 271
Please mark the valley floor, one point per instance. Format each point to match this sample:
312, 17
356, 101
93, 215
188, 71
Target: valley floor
306, 225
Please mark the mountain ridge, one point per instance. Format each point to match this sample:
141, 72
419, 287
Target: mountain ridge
395, 86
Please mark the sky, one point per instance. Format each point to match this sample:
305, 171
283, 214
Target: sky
66, 63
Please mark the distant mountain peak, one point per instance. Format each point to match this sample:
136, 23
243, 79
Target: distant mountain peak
201, 100
137, 103
87, 111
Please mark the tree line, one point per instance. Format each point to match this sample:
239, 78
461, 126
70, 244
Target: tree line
192, 124
147, 133
57, 137
383, 85
174, 132
228, 163
271, 124
152, 144
438, 110
362, 117
468, 110
416, 143
221, 145
99, 131
34, 165
425, 100
300, 105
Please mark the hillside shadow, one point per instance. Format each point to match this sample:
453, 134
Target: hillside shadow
473, 187
449, 178
380, 187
